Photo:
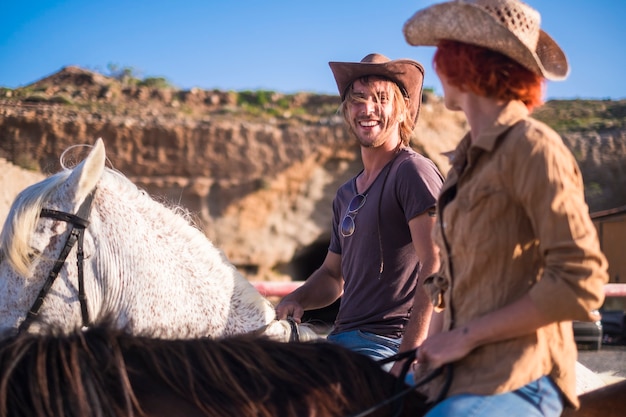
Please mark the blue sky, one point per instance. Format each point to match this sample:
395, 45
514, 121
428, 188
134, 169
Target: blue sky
281, 45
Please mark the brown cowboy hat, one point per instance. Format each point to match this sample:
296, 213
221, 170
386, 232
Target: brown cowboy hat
408, 74
506, 26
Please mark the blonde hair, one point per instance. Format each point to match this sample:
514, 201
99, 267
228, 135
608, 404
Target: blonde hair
400, 103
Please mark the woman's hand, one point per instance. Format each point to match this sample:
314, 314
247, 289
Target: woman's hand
445, 347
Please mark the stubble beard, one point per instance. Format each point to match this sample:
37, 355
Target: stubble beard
371, 141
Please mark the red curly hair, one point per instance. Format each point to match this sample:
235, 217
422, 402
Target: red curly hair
488, 73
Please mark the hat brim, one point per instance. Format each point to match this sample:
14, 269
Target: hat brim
468, 23
408, 74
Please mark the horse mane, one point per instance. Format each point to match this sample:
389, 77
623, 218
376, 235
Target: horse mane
22, 218
65, 376
109, 373
21, 221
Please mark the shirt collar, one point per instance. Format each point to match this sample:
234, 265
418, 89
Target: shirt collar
511, 113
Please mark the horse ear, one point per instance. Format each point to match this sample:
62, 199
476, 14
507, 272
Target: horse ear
87, 174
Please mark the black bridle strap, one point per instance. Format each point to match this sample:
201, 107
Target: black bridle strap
410, 355
295, 333
78, 223
73, 219
82, 297
58, 264
398, 395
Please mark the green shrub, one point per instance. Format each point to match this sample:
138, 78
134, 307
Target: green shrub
61, 99
259, 98
125, 75
36, 98
154, 82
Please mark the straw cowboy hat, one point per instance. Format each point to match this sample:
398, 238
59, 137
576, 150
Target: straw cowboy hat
408, 74
507, 26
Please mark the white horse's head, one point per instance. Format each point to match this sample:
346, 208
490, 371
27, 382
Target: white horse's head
145, 265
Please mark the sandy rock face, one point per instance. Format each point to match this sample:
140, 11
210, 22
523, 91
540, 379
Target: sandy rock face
258, 171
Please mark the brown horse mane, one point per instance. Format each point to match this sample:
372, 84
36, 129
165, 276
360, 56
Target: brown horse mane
82, 374
109, 373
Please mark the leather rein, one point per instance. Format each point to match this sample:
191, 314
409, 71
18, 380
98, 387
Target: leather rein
78, 223
402, 389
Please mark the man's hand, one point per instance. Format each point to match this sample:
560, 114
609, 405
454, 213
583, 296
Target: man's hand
291, 309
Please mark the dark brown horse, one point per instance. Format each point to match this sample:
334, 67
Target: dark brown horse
108, 373
609, 401
104, 372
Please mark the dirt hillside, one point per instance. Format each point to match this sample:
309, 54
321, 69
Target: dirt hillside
258, 168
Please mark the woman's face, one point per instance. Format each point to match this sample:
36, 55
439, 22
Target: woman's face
451, 93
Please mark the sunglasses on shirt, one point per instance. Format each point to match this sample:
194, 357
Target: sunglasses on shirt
348, 226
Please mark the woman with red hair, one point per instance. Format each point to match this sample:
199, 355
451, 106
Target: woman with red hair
520, 257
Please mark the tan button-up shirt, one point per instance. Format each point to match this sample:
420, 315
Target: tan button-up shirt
513, 220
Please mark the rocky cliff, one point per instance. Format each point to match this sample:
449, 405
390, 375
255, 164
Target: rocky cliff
258, 169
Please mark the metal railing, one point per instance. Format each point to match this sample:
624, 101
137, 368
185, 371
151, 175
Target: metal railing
282, 288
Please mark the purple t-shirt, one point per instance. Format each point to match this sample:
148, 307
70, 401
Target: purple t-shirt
375, 301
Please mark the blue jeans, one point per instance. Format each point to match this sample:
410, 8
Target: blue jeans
370, 344
540, 398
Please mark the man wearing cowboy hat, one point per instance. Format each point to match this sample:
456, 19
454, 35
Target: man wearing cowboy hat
382, 218
520, 257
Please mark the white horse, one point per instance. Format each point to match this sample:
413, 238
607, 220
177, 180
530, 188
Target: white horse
146, 266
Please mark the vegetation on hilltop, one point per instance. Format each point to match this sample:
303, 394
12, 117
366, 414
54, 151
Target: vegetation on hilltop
583, 115
122, 92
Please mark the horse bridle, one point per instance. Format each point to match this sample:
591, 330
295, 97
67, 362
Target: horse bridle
402, 390
78, 223
295, 333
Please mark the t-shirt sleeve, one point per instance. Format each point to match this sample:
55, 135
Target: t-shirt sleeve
418, 185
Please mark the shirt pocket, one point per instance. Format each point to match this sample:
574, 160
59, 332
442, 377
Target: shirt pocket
483, 209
